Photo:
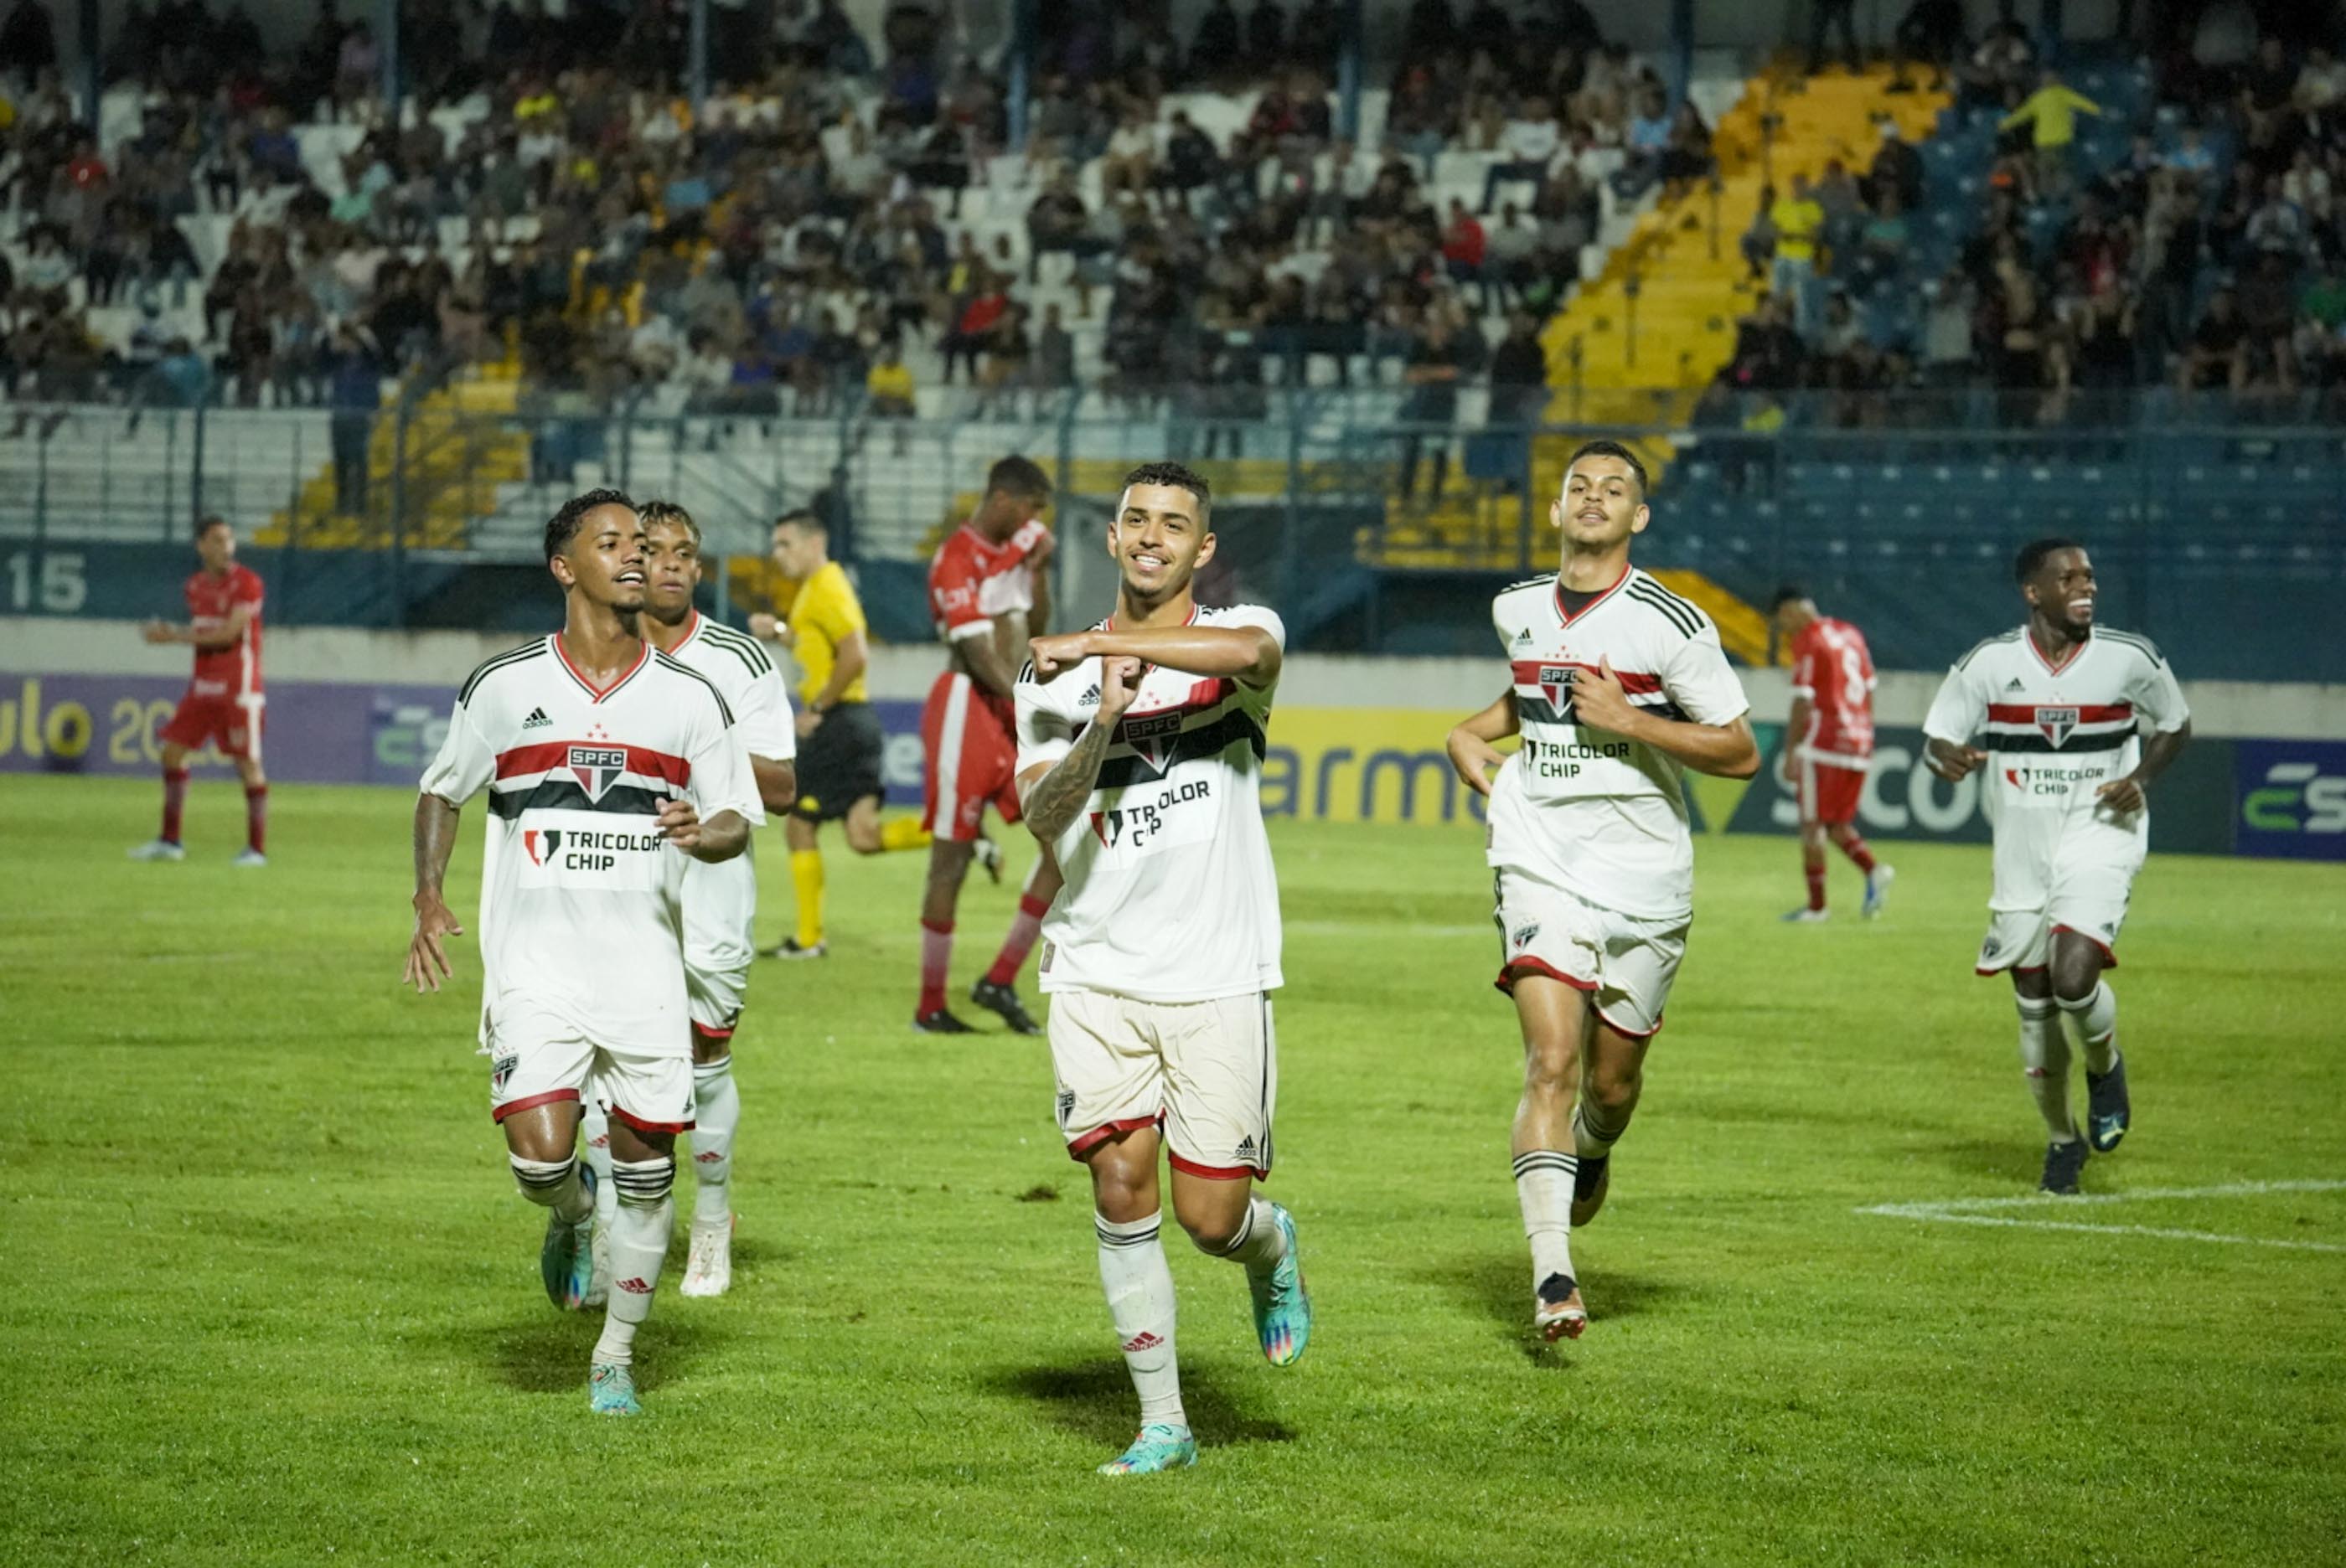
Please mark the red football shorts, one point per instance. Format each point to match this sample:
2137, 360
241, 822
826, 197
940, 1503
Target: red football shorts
232, 723
973, 758
1829, 794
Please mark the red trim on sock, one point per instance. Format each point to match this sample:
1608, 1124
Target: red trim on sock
1031, 905
942, 928
703, 1031
1085, 1142
1816, 876
1509, 971
1859, 850
530, 1102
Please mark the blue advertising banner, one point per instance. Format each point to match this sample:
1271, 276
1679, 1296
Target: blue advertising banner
2292, 798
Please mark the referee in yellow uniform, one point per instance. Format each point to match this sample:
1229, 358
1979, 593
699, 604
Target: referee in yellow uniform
841, 743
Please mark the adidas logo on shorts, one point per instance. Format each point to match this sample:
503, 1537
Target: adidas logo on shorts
1244, 1151
537, 720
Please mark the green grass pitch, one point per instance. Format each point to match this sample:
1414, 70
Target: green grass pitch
274, 1299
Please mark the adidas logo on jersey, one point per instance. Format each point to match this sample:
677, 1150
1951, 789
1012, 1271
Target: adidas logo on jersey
2013, 684
537, 720
1524, 638
1089, 698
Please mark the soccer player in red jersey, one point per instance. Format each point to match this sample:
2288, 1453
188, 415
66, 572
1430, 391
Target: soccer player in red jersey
1828, 744
988, 596
223, 700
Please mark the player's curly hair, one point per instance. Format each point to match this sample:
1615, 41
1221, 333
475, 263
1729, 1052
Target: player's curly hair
2031, 559
657, 512
1176, 473
563, 526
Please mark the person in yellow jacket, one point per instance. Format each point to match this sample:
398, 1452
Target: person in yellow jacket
841, 743
2051, 110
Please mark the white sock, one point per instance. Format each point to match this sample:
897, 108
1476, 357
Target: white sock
2044, 1058
1260, 1244
718, 1110
1586, 1144
1140, 1301
595, 1133
1543, 1187
640, 1237
2094, 1020
553, 1184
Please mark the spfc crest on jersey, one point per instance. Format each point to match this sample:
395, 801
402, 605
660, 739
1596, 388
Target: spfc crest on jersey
1152, 737
598, 768
2056, 723
1555, 684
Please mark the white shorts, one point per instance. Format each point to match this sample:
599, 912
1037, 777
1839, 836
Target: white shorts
1207, 1072
2084, 888
537, 1057
1624, 963
719, 903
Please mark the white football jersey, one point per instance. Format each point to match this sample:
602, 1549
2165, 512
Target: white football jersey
721, 901
581, 899
1583, 808
2055, 735
1170, 893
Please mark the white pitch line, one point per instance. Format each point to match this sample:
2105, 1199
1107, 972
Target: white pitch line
1370, 928
2122, 1230
1966, 1211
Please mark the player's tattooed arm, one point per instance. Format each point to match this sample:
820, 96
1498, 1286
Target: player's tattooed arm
2132, 793
1052, 798
1473, 756
1725, 750
436, 839
1249, 654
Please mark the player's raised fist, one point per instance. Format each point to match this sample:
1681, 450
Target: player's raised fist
1059, 652
1120, 684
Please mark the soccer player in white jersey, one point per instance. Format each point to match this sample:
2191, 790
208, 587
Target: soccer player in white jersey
607, 764
1616, 685
1141, 746
720, 902
2065, 775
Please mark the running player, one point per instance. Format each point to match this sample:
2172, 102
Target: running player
987, 597
223, 704
720, 902
1140, 746
2059, 702
1618, 685
842, 745
603, 758
1828, 744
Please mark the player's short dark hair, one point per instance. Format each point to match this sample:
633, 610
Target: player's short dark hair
2031, 559
1177, 474
1017, 476
801, 518
563, 526
1611, 449
653, 512
210, 520
1789, 593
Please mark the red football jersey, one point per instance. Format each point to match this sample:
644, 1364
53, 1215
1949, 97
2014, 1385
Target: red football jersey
1833, 668
972, 580
233, 671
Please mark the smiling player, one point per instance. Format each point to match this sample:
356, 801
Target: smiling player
1140, 747
607, 763
2060, 702
1618, 684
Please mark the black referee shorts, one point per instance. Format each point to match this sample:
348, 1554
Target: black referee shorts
839, 763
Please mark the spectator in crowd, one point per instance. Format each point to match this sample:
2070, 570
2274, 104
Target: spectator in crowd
1930, 33
1525, 149
2218, 355
1825, 15
2050, 112
1436, 363
1797, 219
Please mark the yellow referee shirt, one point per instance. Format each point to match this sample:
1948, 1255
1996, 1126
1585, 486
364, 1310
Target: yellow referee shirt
825, 614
